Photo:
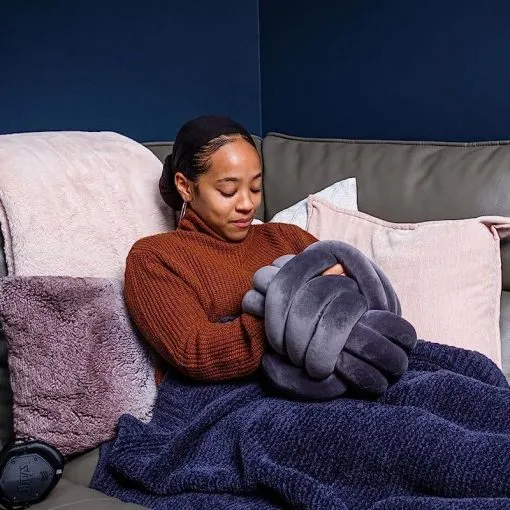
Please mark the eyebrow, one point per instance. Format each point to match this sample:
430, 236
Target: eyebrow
235, 179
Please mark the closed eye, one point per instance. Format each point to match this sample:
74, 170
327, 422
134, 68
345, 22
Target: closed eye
230, 195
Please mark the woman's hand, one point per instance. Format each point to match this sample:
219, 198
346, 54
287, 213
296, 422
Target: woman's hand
337, 269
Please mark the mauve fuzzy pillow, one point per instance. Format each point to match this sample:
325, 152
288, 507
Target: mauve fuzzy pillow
76, 364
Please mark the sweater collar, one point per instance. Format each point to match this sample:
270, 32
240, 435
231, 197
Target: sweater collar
192, 222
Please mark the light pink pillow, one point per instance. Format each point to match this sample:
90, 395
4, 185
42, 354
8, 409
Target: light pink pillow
447, 274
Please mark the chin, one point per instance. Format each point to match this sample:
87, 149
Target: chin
236, 236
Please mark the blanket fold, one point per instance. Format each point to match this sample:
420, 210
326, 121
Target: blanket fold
437, 439
73, 203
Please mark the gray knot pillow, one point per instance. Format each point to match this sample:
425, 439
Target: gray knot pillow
330, 334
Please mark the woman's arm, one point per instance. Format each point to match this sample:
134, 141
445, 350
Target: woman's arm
167, 313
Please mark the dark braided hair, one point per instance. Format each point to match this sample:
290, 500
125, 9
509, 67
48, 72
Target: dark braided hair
196, 142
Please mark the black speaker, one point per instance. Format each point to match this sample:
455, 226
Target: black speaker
29, 470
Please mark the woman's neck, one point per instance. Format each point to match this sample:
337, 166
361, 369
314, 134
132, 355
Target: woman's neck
193, 222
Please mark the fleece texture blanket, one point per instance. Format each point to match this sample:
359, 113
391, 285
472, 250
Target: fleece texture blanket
330, 334
437, 439
73, 203
75, 362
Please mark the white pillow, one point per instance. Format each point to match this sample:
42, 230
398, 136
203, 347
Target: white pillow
342, 194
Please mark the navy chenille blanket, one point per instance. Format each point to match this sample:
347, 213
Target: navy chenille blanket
437, 437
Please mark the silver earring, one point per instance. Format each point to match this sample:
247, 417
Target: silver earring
183, 211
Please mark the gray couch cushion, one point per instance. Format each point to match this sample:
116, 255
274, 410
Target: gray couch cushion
81, 469
77, 497
163, 149
397, 181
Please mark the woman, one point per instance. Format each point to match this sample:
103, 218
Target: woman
439, 438
184, 288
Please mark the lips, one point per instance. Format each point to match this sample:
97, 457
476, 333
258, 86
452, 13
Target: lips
243, 223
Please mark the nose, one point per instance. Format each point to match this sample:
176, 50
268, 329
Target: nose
245, 202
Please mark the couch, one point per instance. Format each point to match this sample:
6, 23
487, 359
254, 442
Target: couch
397, 181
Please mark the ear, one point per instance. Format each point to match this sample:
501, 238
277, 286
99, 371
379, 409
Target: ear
184, 186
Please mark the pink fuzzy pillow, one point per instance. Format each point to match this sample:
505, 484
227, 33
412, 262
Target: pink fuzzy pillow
447, 274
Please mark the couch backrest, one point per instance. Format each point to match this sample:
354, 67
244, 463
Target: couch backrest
397, 181
163, 149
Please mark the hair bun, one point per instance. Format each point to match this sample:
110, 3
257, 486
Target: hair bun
167, 187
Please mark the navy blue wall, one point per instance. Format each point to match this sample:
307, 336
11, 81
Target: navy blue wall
141, 68
394, 69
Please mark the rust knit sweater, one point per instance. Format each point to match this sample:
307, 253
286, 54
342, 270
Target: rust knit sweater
179, 284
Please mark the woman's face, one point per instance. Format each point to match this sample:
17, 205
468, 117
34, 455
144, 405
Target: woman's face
227, 196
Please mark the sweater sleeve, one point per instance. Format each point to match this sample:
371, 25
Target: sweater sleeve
169, 316
299, 238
